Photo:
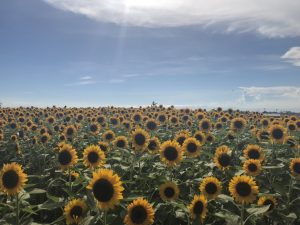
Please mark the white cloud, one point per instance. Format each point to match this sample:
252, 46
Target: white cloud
86, 78
116, 81
272, 18
292, 56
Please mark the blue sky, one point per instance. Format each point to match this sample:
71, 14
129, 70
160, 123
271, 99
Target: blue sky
128, 52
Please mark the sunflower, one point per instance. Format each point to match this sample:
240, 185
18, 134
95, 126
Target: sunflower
205, 125
12, 178
265, 122
139, 212
162, 118
93, 156
243, 189
104, 146
254, 152
222, 157
67, 156
181, 137
108, 135
252, 167
107, 188
211, 187
74, 176
277, 133
140, 139
45, 138
200, 136
154, 145
198, 207
94, 128
171, 153
238, 124
295, 167
69, 131
137, 117
168, 191
267, 200
74, 211
120, 142
151, 124
262, 135
291, 126
191, 147
291, 142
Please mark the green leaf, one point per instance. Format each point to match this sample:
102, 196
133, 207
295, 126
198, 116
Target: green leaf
37, 191
258, 210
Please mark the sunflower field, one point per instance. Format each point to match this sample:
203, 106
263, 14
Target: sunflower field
148, 165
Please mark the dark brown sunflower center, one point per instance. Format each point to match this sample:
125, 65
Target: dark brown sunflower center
139, 139
151, 125
169, 192
103, 190
269, 202
121, 144
100, 119
253, 154
292, 127
211, 188
277, 134
114, 121
44, 139
180, 140
224, 159
198, 208
238, 124
199, 137
64, 157
103, 147
93, 128
252, 167
152, 145
76, 211
243, 189
10, 179
138, 214
296, 167
70, 131
205, 125
93, 157
108, 136
137, 118
171, 153
191, 147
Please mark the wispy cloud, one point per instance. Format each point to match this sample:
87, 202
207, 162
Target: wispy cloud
272, 18
84, 80
116, 81
292, 56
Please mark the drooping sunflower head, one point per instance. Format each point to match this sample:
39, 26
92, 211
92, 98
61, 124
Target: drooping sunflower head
198, 207
295, 167
94, 128
200, 136
277, 133
238, 124
243, 189
140, 139
205, 125
267, 200
254, 152
104, 146
67, 157
108, 136
12, 178
171, 153
154, 145
191, 147
252, 167
120, 142
74, 211
45, 138
93, 156
168, 191
211, 187
222, 157
107, 188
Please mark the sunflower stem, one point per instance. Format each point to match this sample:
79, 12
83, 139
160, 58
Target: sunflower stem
17, 210
242, 213
70, 184
290, 191
105, 215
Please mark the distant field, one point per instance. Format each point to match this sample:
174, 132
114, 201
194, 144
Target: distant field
148, 165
